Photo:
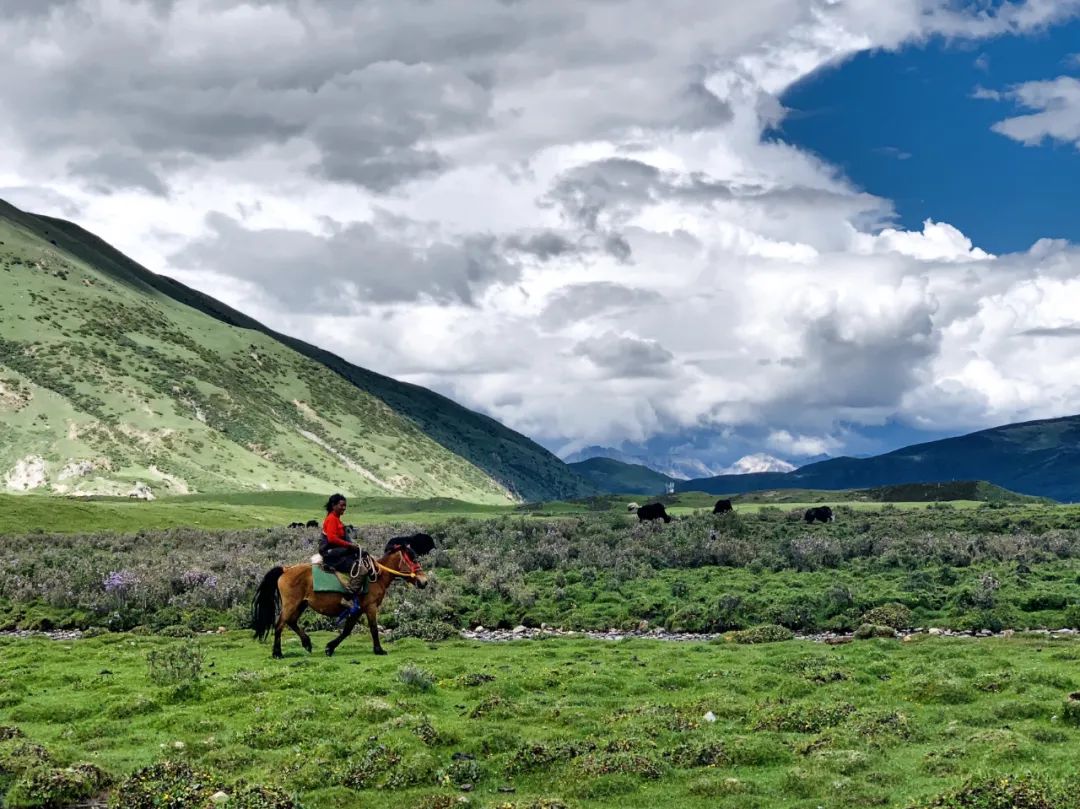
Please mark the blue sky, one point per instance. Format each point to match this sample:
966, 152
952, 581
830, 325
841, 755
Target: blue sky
907, 126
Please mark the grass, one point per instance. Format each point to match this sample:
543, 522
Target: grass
589, 724
32, 513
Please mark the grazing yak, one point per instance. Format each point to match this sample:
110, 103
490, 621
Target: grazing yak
651, 511
820, 513
722, 507
312, 523
296, 525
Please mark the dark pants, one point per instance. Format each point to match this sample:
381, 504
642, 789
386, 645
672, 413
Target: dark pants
338, 558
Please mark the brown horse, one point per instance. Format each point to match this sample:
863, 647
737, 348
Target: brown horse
286, 592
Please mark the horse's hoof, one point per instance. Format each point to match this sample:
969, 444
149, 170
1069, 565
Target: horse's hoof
380, 651
329, 651
278, 656
307, 648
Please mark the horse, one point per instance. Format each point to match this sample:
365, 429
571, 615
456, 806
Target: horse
285, 592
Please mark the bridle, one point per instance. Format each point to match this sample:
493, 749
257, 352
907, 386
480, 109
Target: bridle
414, 571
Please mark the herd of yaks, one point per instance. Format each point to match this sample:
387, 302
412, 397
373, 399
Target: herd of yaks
656, 511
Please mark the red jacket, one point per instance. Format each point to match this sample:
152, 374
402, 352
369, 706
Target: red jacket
334, 530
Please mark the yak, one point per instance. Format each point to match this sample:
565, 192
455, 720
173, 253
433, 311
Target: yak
819, 513
652, 511
722, 507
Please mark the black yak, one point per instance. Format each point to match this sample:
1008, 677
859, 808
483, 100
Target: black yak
652, 511
722, 507
312, 523
820, 513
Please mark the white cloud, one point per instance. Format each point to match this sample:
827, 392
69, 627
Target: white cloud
1057, 112
563, 214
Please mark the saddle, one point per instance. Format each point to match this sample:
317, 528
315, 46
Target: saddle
355, 582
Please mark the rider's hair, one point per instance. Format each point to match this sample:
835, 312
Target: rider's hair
333, 501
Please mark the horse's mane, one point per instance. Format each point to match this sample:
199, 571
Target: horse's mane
415, 545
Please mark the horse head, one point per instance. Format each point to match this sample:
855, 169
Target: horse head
400, 563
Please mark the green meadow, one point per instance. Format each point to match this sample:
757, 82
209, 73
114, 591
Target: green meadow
549, 723
20, 514
157, 707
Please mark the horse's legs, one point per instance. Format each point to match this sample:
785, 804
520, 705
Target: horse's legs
373, 625
294, 625
291, 607
350, 622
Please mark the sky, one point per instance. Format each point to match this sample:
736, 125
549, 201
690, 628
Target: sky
692, 229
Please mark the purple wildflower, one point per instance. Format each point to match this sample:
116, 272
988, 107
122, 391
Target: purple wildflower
119, 581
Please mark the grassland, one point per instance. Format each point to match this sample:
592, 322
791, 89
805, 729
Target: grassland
561, 723
31, 513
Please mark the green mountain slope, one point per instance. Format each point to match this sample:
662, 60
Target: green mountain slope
1040, 458
111, 375
618, 477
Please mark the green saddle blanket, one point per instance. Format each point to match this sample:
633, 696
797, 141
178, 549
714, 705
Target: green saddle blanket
323, 582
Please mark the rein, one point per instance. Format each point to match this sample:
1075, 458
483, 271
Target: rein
414, 571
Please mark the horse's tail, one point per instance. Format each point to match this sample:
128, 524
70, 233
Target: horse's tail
267, 602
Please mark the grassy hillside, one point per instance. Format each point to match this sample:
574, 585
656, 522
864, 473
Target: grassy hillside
1040, 458
609, 475
111, 375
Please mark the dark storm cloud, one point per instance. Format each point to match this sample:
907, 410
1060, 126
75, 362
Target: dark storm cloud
376, 88
109, 172
378, 262
627, 357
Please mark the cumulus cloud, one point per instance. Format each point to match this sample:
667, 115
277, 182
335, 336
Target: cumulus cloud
1056, 116
564, 214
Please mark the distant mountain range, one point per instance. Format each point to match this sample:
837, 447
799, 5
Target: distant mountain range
676, 467
114, 380
1040, 458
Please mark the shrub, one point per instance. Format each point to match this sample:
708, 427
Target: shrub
1072, 616
892, 614
49, 787
998, 792
769, 633
804, 718
178, 665
866, 631
428, 629
143, 789
1071, 712
416, 678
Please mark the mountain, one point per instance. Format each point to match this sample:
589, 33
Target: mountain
977, 490
1040, 458
111, 376
757, 463
615, 477
666, 463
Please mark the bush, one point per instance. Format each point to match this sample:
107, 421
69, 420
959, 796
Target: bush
45, 788
428, 629
892, 614
416, 678
769, 633
1071, 712
1072, 616
179, 665
999, 792
866, 631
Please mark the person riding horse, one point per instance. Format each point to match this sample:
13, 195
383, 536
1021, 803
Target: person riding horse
337, 551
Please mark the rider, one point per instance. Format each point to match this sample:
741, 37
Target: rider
337, 551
